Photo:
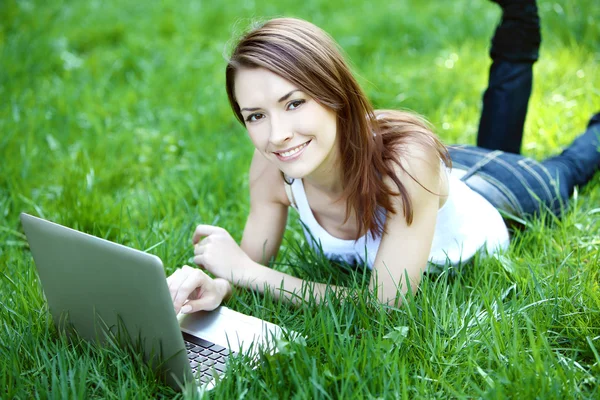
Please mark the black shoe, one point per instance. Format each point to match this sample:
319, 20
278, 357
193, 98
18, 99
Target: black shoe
518, 35
504, 3
594, 120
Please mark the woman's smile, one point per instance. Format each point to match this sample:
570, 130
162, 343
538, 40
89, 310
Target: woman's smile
291, 153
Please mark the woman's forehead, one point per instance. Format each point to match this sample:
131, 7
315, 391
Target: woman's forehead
256, 86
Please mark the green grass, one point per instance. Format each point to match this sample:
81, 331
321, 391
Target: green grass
114, 121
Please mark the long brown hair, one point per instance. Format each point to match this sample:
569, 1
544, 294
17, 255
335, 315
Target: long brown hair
370, 142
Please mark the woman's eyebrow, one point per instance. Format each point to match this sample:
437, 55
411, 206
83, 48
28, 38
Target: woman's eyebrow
283, 98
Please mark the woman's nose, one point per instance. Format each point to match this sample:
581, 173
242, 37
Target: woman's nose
280, 132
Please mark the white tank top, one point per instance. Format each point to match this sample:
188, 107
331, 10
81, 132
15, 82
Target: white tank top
466, 223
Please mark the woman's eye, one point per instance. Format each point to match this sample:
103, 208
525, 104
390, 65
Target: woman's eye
254, 117
292, 105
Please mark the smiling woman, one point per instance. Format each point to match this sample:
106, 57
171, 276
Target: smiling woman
286, 125
372, 187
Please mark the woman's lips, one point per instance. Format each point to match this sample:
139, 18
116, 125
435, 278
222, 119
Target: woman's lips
292, 153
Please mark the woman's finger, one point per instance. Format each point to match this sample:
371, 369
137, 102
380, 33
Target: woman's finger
204, 230
191, 280
199, 260
173, 283
206, 303
199, 249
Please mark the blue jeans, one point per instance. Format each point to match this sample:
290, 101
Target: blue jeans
514, 50
512, 183
523, 187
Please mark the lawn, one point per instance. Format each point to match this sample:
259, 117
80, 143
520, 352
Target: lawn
114, 120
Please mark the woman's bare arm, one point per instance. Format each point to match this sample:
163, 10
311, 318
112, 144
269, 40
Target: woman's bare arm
404, 249
268, 211
262, 237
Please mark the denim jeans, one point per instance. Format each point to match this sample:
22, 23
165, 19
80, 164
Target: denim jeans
512, 183
523, 187
515, 47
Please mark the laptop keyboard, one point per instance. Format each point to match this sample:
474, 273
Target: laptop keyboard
206, 359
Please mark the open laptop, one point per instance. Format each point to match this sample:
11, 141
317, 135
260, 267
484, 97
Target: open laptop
95, 286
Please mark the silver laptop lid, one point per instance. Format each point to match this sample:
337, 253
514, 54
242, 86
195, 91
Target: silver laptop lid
84, 276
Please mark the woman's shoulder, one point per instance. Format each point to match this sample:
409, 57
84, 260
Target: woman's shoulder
266, 181
416, 157
420, 166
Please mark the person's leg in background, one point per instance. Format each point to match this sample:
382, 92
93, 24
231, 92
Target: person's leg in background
515, 47
523, 187
578, 163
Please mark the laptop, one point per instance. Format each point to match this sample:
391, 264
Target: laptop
106, 291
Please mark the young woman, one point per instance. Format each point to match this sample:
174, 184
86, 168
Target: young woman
374, 187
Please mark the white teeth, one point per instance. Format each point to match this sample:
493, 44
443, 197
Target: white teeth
293, 151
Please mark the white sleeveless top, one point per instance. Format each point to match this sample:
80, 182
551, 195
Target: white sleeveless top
466, 223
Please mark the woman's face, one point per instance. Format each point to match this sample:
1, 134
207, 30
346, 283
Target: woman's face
287, 126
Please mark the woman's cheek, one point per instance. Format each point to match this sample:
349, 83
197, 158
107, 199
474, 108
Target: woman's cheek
304, 122
257, 138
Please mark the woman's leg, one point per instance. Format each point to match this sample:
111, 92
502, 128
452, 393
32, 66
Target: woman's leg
515, 47
522, 186
576, 165
514, 184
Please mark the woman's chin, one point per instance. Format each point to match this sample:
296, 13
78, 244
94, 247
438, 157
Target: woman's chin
304, 170
295, 173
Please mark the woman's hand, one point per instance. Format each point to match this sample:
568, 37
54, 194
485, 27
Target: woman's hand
193, 290
219, 253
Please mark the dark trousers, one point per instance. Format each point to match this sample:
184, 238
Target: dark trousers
514, 184
515, 47
522, 187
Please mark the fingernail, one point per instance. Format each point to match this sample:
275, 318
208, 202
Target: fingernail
186, 309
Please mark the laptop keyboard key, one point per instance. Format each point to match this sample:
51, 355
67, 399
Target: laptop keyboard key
204, 343
220, 367
216, 348
209, 362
